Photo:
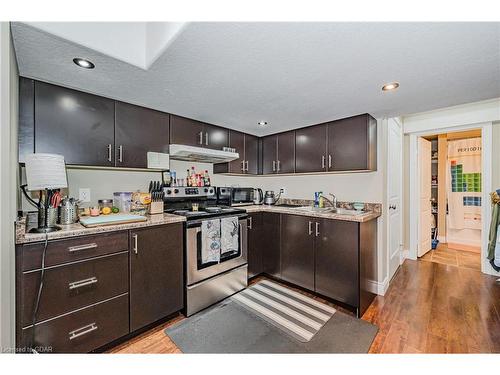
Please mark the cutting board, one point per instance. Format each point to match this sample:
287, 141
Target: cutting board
113, 219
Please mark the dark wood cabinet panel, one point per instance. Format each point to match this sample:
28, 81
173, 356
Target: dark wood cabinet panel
297, 250
337, 259
137, 131
252, 154
286, 152
269, 154
75, 124
237, 141
184, 131
351, 144
271, 244
26, 134
215, 137
310, 149
156, 273
73, 286
255, 244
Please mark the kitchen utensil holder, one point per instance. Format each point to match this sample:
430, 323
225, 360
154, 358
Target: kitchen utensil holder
69, 214
52, 214
156, 208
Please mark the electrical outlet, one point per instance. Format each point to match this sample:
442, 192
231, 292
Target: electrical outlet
84, 194
283, 191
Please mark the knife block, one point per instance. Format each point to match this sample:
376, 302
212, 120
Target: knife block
156, 208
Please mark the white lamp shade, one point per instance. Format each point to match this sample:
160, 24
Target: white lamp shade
45, 171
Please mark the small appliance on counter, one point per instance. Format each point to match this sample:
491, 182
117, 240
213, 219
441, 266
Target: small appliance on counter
270, 198
239, 196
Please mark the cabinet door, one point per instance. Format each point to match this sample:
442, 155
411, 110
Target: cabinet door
271, 244
237, 141
297, 250
310, 149
337, 261
286, 152
349, 144
184, 131
269, 154
255, 244
156, 273
215, 137
137, 131
252, 154
75, 124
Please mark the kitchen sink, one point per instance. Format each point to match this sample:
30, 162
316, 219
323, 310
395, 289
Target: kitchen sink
340, 211
287, 205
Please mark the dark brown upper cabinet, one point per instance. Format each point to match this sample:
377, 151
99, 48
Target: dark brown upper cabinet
189, 132
156, 273
247, 146
75, 124
352, 144
278, 153
137, 131
310, 149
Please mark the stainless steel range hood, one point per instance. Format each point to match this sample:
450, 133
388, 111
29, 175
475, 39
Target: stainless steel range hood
202, 155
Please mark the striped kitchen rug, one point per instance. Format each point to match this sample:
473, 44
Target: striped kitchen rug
294, 313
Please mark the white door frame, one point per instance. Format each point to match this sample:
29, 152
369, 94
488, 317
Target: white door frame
486, 176
401, 198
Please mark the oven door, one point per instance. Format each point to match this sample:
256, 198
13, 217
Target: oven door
196, 271
242, 196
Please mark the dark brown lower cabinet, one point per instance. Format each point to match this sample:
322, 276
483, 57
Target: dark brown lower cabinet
255, 243
156, 273
297, 250
271, 244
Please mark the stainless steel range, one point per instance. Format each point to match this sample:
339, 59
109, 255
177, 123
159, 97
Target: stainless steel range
212, 273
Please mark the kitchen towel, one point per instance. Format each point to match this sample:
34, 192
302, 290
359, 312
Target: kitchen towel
210, 241
229, 235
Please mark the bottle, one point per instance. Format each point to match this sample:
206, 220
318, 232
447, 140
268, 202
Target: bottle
188, 179
193, 177
207, 179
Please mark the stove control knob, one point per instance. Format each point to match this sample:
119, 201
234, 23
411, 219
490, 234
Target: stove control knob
169, 192
205, 190
176, 191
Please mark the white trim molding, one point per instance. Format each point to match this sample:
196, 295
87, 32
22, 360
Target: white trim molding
378, 287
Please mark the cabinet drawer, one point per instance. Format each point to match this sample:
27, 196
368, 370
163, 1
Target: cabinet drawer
73, 286
83, 330
70, 250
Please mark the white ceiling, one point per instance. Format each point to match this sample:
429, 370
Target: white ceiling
288, 74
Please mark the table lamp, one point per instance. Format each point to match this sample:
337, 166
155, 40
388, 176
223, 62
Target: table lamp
45, 172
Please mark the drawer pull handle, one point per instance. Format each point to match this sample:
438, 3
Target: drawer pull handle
89, 246
82, 331
81, 283
135, 248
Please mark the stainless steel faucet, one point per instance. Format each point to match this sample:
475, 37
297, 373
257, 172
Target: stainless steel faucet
333, 202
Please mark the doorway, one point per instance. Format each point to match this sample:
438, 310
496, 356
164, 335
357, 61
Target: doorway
450, 174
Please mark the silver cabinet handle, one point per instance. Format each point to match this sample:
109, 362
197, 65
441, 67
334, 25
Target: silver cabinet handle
120, 154
278, 166
323, 159
81, 283
82, 331
274, 166
329, 161
246, 168
310, 228
317, 229
89, 246
135, 248
250, 223
109, 152
241, 238
206, 138
201, 138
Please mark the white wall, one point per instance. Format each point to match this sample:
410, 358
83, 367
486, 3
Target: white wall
8, 179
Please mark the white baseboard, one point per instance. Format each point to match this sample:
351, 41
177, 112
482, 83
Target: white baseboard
404, 254
378, 287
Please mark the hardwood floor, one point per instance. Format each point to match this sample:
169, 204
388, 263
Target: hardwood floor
429, 308
452, 257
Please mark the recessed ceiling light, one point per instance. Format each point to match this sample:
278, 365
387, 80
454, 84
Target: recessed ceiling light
390, 86
83, 63
262, 123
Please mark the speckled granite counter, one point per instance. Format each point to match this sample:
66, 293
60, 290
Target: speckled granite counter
372, 211
74, 230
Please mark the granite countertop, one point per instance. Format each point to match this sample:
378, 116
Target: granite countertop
74, 230
372, 210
